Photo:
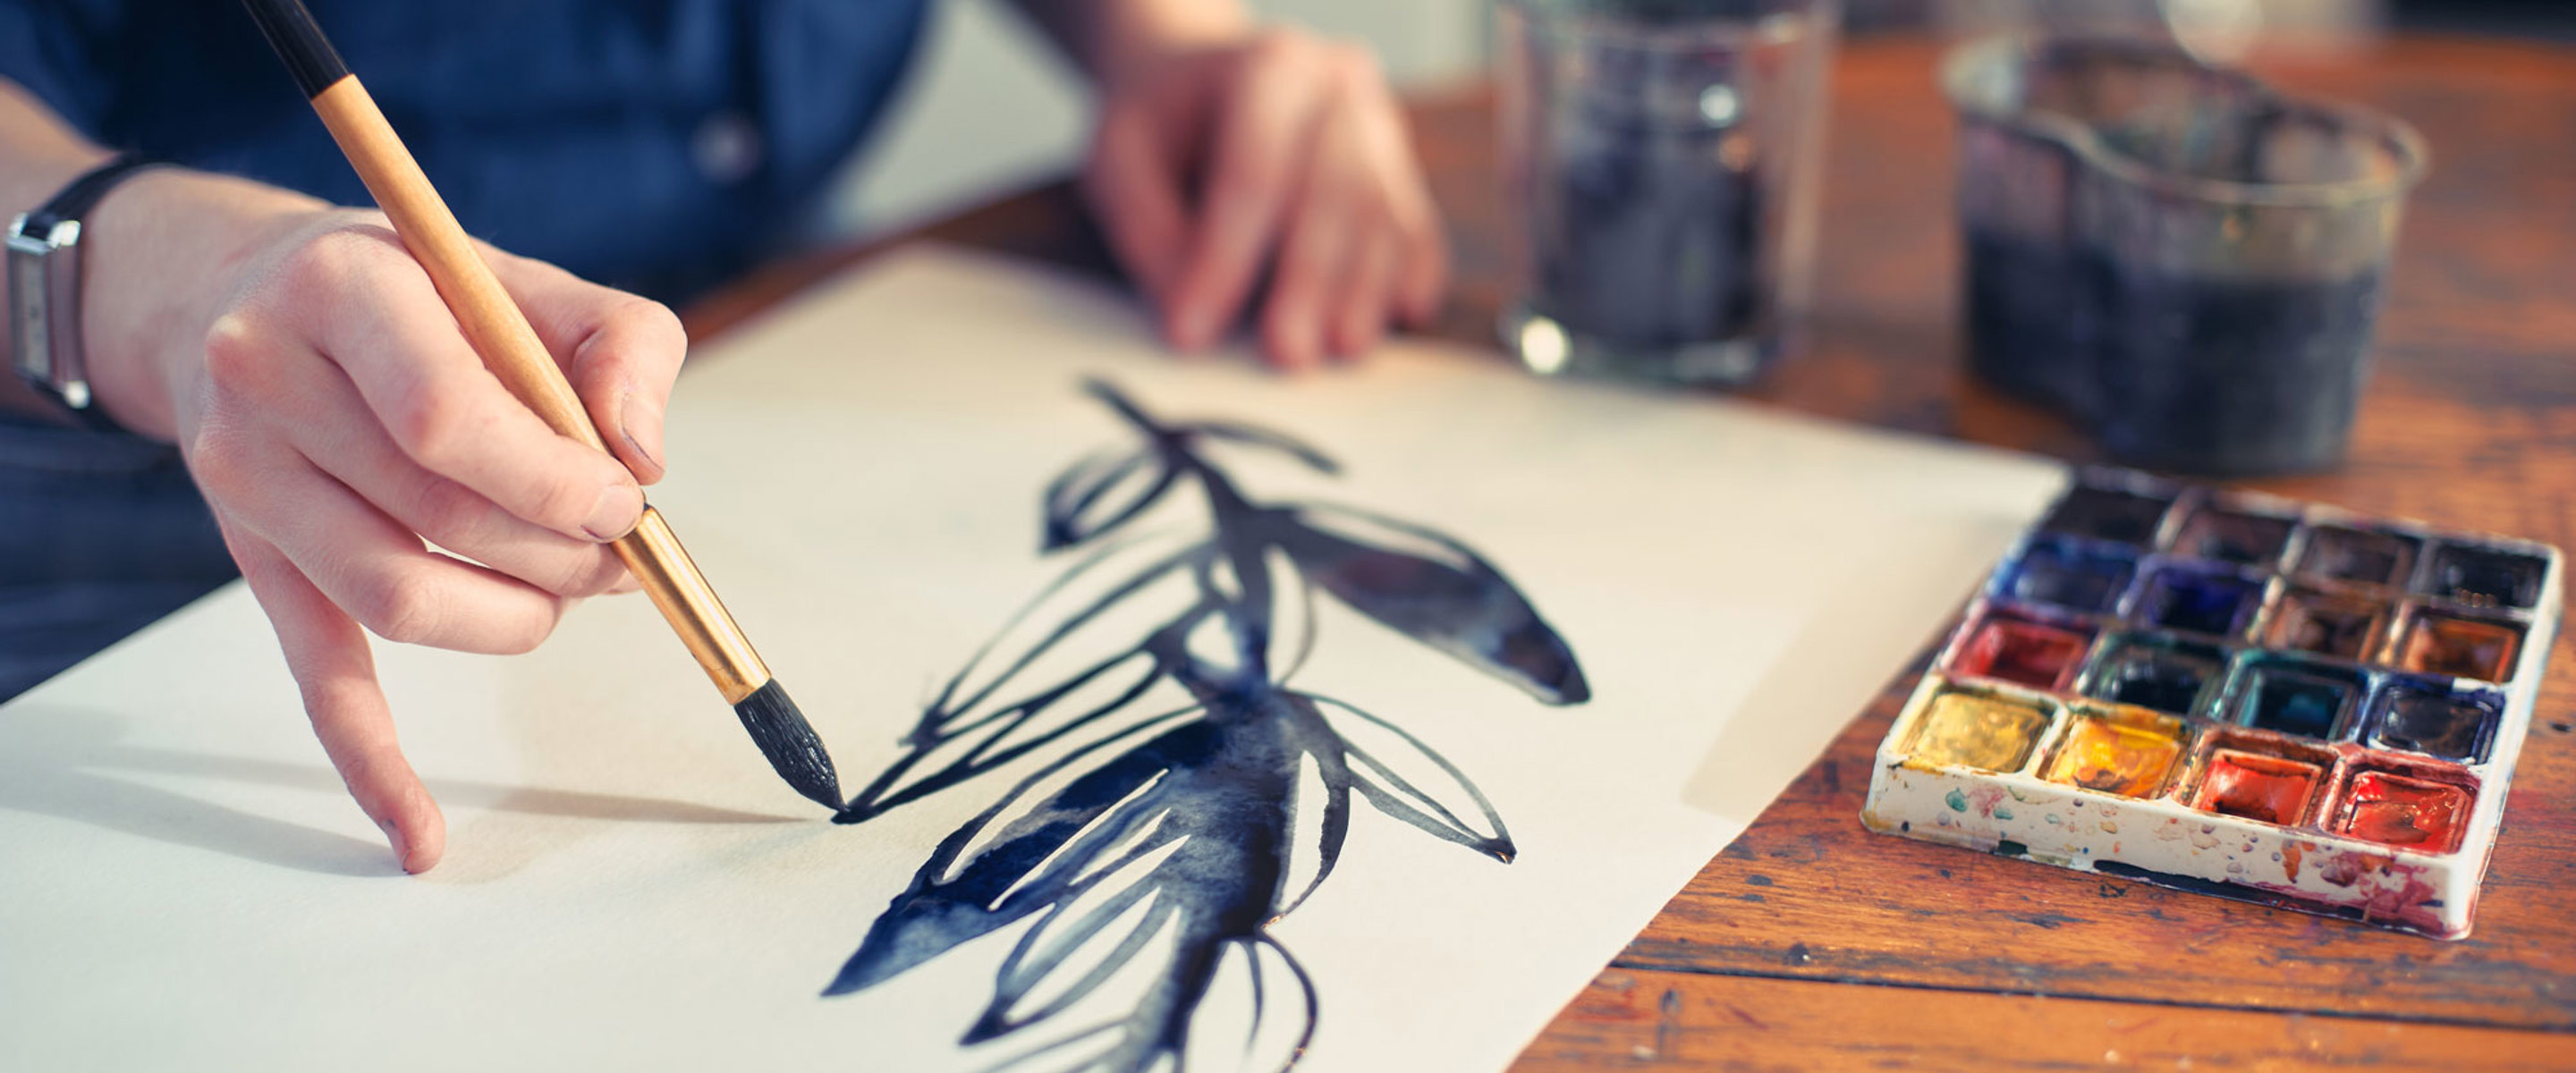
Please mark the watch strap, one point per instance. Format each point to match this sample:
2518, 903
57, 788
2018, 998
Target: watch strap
69, 205
85, 192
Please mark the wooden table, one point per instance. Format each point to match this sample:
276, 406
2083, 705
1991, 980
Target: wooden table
1812, 944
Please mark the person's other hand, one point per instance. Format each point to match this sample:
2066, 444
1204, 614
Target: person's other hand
335, 419
1282, 151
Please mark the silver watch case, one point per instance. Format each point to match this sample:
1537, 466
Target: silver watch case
44, 310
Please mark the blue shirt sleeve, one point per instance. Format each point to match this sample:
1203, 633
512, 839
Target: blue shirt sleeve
51, 48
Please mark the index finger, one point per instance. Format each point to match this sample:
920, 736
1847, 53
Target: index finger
1251, 179
389, 330
1132, 178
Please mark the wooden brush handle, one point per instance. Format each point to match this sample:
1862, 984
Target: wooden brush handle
492, 322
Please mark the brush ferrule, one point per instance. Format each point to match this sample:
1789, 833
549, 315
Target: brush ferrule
662, 566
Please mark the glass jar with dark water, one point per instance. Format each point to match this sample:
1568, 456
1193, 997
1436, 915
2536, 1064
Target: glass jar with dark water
2171, 252
1660, 163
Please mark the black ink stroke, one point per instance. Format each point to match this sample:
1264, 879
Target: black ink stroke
1169, 833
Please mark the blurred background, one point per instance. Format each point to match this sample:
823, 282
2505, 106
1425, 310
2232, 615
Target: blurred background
990, 109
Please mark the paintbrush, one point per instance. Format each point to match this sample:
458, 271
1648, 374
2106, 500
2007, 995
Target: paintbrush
510, 348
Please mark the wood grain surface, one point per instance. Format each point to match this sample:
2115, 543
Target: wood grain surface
1812, 944
1656, 1020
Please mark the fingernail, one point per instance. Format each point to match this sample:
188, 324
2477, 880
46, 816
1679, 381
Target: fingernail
392, 838
624, 584
619, 506
641, 423
1193, 330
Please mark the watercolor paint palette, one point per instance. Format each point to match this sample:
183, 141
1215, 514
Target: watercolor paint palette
2234, 694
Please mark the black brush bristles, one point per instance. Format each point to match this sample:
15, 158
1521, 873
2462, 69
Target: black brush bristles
789, 742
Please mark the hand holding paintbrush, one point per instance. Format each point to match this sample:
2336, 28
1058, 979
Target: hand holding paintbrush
515, 354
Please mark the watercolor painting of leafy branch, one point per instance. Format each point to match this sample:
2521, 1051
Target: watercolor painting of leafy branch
1177, 793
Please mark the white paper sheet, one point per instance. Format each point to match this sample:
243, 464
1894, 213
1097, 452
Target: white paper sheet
184, 885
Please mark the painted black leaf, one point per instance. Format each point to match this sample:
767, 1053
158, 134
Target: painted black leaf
1183, 833
1103, 492
1067, 666
1387, 785
947, 905
1176, 440
1436, 590
1077, 655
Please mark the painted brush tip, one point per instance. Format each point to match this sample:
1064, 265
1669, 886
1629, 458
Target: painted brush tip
790, 744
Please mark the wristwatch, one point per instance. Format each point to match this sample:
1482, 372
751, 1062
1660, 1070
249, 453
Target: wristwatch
45, 291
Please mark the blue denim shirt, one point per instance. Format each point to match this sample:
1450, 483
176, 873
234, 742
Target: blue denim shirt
656, 145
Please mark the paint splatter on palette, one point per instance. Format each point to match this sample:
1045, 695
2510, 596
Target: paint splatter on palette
2237, 695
